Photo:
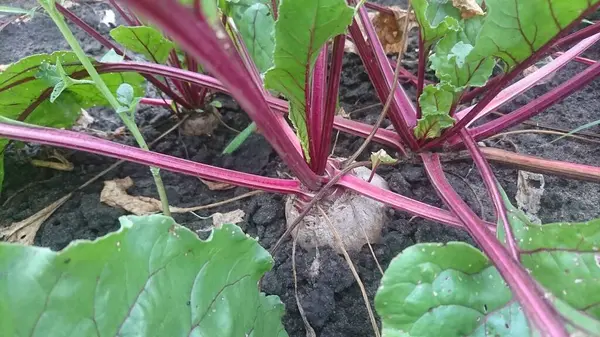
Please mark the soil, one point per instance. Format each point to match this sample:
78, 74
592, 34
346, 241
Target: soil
330, 297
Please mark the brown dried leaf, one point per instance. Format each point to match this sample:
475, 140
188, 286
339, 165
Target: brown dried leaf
24, 232
216, 186
390, 29
233, 217
115, 194
468, 8
84, 121
530, 189
201, 124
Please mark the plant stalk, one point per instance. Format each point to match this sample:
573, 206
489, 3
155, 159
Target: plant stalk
526, 290
492, 187
105, 91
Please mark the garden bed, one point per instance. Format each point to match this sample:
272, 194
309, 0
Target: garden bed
329, 294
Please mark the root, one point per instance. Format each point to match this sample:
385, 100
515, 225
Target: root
319, 196
310, 332
361, 285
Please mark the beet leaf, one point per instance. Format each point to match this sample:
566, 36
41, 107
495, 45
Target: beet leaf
144, 40
454, 290
301, 30
255, 22
150, 278
41, 90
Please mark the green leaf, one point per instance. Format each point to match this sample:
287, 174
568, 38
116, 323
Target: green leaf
563, 257
453, 65
125, 94
56, 75
446, 290
151, 278
33, 80
19, 88
454, 290
513, 30
144, 40
112, 56
301, 30
255, 22
435, 18
435, 103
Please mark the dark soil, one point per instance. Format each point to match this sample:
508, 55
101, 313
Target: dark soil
331, 298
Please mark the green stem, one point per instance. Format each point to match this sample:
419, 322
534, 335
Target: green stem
240, 139
49, 6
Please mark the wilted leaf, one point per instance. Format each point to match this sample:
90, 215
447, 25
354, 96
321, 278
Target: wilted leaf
382, 157
216, 186
24, 232
530, 189
115, 194
152, 278
200, 124
233, 217
84, 121
468, 8
144, 40
301, 31
390, 29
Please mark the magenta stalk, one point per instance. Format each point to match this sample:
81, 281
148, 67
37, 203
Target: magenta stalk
538, 105
82, 142
316, 91
197, 37
543, 315
110, 45
531, 80
492, 187
407, 112
377, 78
331, 100
495, 90
402, 203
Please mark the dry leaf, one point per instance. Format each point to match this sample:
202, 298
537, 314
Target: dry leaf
200, 124
233, 217
530, 188
24, 232
390, 29
84, 121
216, 186
115, 194
468, 8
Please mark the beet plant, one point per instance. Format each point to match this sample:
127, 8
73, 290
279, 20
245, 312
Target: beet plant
527, 279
